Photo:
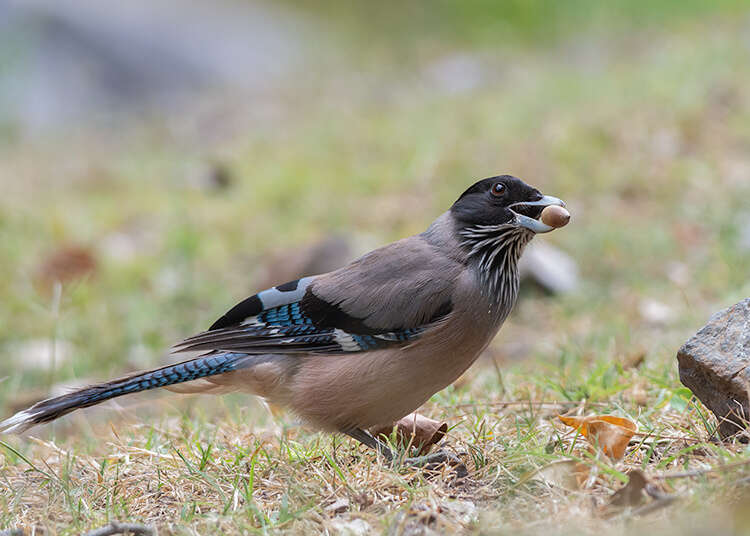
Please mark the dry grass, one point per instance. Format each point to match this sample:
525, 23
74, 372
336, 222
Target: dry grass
190, 475
647, 140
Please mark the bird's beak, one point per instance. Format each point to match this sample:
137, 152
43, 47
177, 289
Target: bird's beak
533, 224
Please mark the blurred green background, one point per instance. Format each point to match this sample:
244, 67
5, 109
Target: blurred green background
161, 160
164, 160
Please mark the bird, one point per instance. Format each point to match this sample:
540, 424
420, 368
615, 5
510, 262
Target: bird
364, 345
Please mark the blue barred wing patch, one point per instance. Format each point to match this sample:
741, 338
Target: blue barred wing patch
286, 329
291, 318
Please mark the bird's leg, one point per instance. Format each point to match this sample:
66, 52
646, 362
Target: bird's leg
429, 461
432, 461
369, 441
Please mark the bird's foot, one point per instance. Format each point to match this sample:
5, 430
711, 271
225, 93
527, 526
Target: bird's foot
432, 462
428, 462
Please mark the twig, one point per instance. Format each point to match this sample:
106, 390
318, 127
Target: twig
657, 504
646, 435
505, 403
701, 472
123, 528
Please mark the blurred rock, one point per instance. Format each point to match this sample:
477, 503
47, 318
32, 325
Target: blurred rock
86, 60
715, 365
40, 354
327, 254
550, 268
212, 176
655, 312
65, 264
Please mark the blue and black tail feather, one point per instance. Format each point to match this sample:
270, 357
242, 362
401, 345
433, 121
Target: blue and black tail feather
52, 408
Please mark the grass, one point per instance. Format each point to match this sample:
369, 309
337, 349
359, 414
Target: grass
642, 132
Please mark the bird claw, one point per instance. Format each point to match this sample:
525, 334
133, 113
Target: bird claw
431, 462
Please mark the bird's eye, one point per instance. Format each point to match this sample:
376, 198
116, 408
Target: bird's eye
498, 189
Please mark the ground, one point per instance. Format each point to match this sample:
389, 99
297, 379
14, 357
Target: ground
642, 131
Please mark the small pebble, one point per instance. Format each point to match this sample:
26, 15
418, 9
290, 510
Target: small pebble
555, 216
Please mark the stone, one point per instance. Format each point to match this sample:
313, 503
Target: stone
715, 365
656, 313
550, 268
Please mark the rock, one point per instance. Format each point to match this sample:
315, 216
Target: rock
208, 176
715, 365
86, 60
552, 269
656, 313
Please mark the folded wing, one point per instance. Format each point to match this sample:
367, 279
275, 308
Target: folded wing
367, 305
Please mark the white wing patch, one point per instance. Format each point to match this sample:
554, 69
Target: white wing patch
274, 297
346, 341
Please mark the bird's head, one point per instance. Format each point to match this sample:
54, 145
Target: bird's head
495, 219
503, 202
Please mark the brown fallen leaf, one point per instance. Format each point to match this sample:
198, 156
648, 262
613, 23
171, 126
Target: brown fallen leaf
631, 494
416, 429
566, 474
611, 434
338, 507
65, 264
634, 359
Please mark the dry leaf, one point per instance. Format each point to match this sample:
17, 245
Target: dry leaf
566, 474
634, 359
415, 429
611, 434
65, 264
631, 494
338, 507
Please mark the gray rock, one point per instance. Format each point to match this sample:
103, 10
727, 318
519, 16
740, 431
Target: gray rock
91, 60
715, 365
549, 267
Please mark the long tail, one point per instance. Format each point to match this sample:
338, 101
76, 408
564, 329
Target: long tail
52, 408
